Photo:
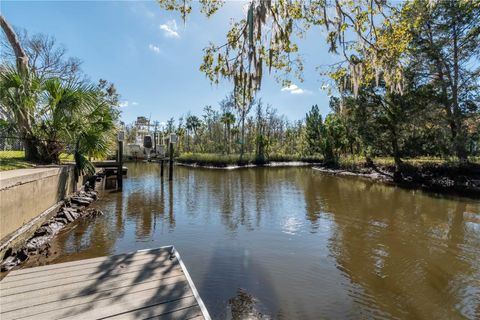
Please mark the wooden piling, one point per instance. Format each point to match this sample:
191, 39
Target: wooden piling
120, 166
155, 141
170, 169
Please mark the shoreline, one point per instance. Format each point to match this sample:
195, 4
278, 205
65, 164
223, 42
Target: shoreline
459, 181
273, 164
446, 184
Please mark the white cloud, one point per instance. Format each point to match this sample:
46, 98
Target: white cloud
170, 29
154, 48
123, 104
134, 103
294, 89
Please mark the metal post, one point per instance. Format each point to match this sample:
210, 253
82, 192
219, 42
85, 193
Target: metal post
120, 166
161, 168
170, 170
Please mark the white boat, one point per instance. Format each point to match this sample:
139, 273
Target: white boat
143, 146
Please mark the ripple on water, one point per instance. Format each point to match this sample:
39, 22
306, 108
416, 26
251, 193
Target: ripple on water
302, 245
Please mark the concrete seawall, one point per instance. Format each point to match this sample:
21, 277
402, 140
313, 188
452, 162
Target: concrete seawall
29, 197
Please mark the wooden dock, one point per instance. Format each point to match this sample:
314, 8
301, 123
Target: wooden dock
145, 284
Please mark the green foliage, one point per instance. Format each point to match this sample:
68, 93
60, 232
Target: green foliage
358, 162
52, 115
227, 131
435, 45
216, 160
224, 160
326, 138
265, 38
408, 85
314, 131
261, 154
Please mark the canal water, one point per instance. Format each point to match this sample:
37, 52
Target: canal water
293, 243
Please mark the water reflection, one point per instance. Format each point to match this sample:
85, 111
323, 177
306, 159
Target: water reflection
302, 244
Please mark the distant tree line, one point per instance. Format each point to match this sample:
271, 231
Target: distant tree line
257, 130
355, 126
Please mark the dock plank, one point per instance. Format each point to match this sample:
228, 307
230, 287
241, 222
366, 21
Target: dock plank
144, 284
86, 274
64, 293
9, 288
126, 298
93, 262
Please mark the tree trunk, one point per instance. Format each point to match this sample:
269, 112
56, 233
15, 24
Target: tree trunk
21, 56
31, 150
22, 117
454, 114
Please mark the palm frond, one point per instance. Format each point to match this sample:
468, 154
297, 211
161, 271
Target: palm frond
83, 165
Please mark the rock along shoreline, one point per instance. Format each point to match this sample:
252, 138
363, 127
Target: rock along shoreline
453, 181
73, 208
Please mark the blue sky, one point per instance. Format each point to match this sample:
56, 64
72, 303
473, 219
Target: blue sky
154, 59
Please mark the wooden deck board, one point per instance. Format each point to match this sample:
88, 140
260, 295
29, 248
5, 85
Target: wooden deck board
94, 262
82, 275
62, 283
140, 285
66, 294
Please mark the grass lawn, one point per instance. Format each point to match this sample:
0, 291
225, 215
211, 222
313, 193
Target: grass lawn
13, 163
11, 160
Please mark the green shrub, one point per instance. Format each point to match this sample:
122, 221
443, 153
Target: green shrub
223, 160
212, 159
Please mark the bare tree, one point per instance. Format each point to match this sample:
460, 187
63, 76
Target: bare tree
45, 56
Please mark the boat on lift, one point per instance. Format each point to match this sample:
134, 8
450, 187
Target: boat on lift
142, 146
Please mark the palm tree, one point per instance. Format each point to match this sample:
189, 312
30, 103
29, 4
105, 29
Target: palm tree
19, 96
19, 91
51, 115
227, 119
79, 116
192, 124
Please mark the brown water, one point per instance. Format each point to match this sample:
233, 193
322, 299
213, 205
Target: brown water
300, 244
